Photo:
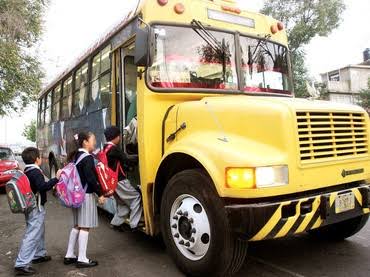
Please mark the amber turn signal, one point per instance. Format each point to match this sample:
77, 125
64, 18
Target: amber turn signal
240, 178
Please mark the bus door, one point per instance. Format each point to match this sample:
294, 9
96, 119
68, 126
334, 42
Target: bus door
128, 111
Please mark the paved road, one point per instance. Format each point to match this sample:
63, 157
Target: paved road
127, 254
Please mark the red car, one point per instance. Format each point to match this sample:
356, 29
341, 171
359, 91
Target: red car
7, 162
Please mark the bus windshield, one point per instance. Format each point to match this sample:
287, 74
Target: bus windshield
264, 66
185, 59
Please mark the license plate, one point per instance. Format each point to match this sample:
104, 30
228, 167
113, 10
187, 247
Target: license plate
344, 202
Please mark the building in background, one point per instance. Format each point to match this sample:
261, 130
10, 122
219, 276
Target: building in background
344, 84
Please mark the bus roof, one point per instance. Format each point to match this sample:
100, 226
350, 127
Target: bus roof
91, 50
156, 11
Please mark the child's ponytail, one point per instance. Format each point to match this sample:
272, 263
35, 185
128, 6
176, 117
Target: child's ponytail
78, 141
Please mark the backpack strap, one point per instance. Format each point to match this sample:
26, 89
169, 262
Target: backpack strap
108, 148
37, 194
83, 156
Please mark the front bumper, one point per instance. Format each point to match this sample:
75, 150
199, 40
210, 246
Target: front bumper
276, 219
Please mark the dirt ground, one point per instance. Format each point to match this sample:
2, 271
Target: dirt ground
127, 254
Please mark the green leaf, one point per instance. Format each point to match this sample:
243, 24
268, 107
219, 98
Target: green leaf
20, 71
304, 20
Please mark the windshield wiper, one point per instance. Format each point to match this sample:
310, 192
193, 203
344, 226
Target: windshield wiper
262, 42
213, 42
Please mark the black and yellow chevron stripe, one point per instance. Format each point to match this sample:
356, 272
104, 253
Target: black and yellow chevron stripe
277, 226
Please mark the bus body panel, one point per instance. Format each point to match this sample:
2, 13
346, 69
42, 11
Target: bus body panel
227, 131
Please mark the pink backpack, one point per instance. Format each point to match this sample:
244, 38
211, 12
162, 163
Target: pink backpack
69, 189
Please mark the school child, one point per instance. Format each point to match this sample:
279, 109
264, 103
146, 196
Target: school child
32, 248
85, 217
127, 197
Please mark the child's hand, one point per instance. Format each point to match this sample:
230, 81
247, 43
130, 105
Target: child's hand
59, 172
101, 200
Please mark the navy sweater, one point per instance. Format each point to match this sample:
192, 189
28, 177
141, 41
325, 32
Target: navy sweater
38, 184
88, 176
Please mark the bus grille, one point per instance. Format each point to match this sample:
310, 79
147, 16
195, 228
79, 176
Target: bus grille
328, 136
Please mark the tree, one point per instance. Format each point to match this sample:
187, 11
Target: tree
303, 20
20, 70
29, 131
365, 97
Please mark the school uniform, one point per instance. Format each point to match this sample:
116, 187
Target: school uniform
127, 197
86, 216
33, 242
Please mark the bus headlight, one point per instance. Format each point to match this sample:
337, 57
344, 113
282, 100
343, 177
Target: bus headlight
271, 176
259, 177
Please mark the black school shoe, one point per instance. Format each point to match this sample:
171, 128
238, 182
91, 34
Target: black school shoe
41, 260
24, 271
85, 265
69, 261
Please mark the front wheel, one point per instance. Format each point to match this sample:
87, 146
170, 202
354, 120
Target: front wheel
340, 230
195, 227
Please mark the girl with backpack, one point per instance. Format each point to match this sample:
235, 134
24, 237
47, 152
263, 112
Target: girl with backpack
86, 216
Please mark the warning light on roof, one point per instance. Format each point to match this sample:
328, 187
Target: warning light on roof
162, 2
231, 9
274, 29
179, 8
280, 26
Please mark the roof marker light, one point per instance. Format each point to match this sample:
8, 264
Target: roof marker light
280, 26
274, 29
162, 2
231, 9
179, 8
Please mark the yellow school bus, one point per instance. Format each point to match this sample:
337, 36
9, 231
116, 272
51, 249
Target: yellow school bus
225, 153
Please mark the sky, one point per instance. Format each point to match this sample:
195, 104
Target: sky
71, 26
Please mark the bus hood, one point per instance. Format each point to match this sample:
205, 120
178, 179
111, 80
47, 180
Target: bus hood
314, 138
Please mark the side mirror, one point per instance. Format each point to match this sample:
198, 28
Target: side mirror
144, 47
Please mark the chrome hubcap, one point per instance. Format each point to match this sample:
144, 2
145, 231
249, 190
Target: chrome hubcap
190, 227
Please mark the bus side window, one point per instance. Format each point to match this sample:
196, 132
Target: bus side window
80, 91
130, 89
101, 95
67, 98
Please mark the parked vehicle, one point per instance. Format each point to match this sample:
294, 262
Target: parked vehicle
8, 163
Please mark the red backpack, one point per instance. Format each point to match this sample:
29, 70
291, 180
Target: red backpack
19, 193
108, 178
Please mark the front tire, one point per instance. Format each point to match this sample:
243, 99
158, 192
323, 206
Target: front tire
195, 227
341, 230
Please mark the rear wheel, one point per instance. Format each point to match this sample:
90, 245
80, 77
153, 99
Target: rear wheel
195, 227
340, 230
53, 168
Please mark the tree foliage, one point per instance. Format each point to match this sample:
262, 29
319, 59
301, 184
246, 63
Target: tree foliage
303, 20
20, 71
29, 131
365, 97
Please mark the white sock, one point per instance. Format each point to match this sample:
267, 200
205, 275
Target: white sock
72, 243
82, 246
